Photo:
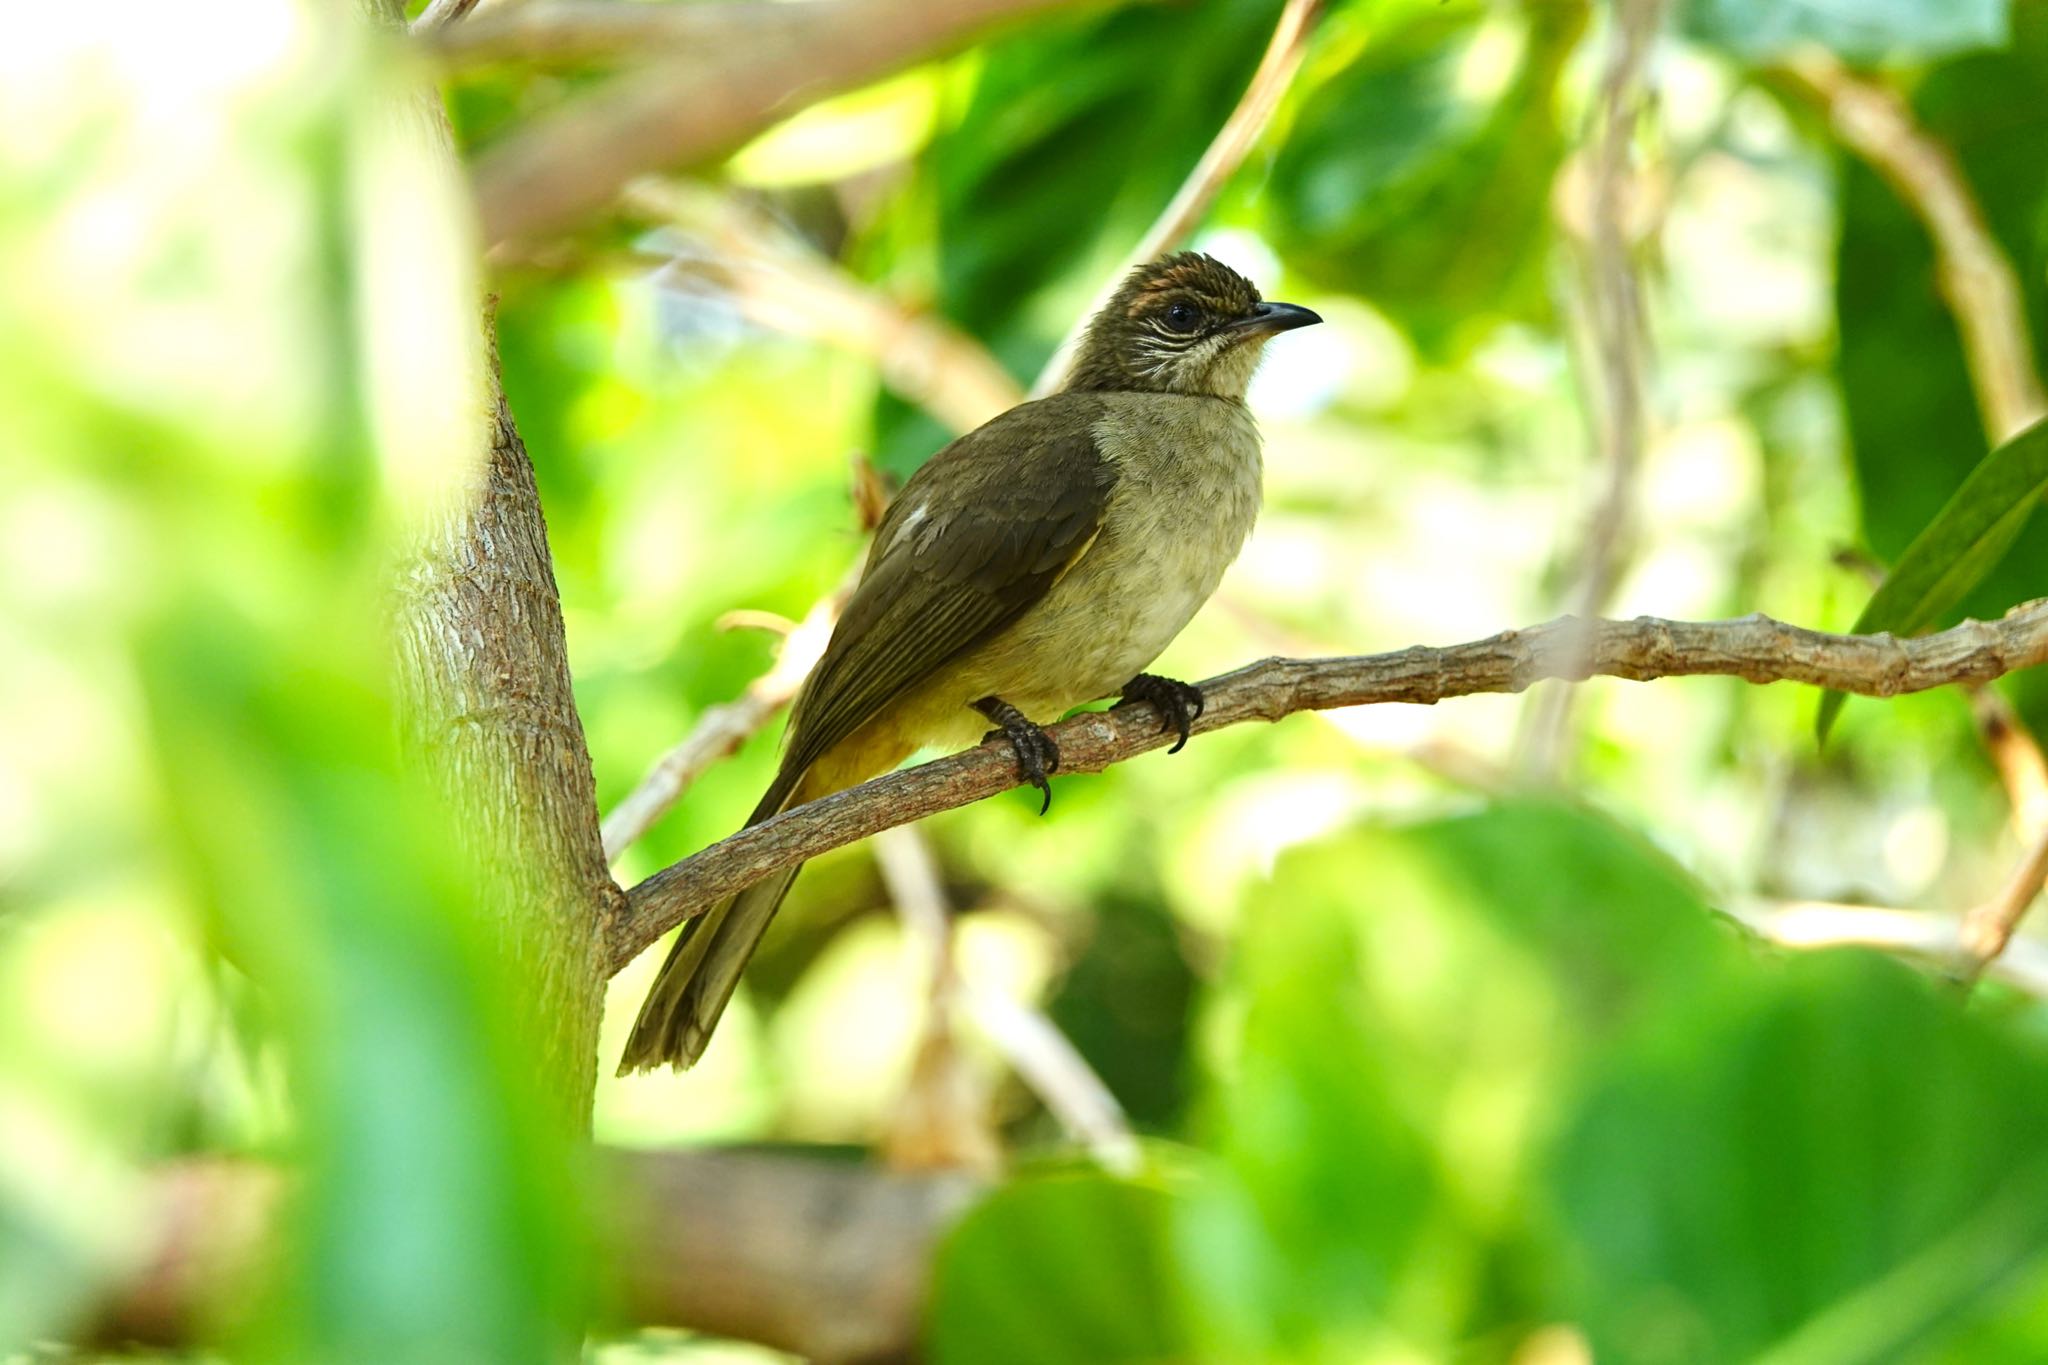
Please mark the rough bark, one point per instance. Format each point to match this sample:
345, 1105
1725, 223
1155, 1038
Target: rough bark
484, 669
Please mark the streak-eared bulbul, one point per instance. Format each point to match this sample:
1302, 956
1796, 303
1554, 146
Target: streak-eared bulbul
1041, 561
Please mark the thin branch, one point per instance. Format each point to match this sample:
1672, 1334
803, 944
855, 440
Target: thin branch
1931, 937
781, 282
1617, 336
440, 14
574, 32
1032, 1044
1048, 1063
1978, 279
1614, 297
1226, 152
2014, 751
697, 104
722, 729
1756, 649
1983, 294
1989, 927
945, 1117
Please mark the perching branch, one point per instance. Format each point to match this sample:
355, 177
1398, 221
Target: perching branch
1226, 152
1756, 649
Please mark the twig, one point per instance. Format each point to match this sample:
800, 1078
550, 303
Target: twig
779, 281
944, 1119
2017, 755
722, 729
1937, 938
1976, 276
1988, 928
1046, 1060
1031, 1043
1618, 337
1226, 152
1755, 648
440, 14
1615, 300
572, 32
697, 104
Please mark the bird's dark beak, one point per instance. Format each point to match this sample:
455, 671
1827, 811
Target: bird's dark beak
1268, 318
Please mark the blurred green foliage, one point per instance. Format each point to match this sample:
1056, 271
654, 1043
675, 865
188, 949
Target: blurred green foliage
1488, 1074
207, 493
1424, 1071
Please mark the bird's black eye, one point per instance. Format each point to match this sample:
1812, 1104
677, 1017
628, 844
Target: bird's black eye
1183, 316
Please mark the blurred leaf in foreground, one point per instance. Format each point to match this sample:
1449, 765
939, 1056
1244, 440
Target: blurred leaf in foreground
1062, 1267
1829, 1164
260, 380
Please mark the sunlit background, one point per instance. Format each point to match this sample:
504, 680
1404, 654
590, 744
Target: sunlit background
1438, 1030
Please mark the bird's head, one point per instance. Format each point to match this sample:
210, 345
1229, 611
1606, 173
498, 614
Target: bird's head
1185, 323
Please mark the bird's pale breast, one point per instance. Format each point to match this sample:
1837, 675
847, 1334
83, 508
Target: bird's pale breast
1187, 493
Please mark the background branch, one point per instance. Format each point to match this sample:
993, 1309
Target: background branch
721, 730
1755, 648
1933, 936
704, 101
1978, 280
1607, 214
826, 1259
1225, 153
781, 282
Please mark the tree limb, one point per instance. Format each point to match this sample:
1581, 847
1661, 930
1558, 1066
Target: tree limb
1756, 649
824, 1258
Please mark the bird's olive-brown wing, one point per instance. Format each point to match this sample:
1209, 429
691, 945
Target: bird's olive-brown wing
977, 535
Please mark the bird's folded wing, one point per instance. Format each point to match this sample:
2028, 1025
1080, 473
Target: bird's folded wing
979, 534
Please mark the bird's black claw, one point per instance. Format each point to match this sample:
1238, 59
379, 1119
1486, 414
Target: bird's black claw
1178, 702
1037, 754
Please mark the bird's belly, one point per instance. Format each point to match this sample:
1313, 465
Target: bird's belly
1186, 499
1102, 624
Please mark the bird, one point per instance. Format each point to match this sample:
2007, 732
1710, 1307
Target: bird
1039, 562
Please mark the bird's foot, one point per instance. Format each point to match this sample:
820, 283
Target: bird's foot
1036, 753
1178, 702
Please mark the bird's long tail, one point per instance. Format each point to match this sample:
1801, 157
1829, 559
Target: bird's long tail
703, 968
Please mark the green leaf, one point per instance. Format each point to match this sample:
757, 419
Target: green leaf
1962, 544
1407, 998
1826, 1163
1863, 31
1057, 1268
